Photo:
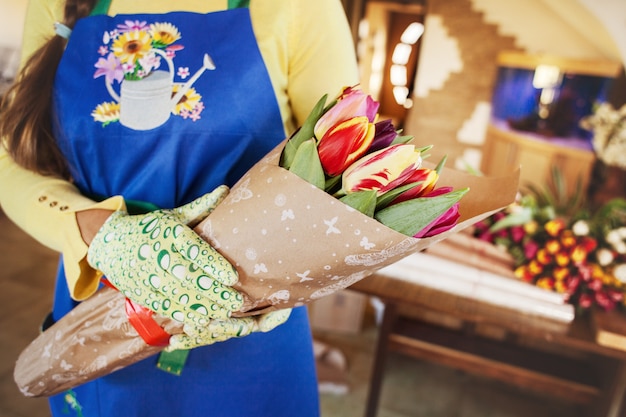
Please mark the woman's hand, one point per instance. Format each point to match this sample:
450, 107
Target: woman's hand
221, 330
158, 261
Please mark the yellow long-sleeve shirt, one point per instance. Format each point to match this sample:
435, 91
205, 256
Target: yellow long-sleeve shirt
308, 51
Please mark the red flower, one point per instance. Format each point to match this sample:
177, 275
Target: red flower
344, 143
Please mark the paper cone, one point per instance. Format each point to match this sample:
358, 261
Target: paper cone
92, 340
291, 243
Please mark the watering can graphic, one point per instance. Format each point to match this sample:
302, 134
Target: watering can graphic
148, 103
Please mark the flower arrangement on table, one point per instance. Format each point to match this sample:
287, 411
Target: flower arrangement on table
561, 245
343, 197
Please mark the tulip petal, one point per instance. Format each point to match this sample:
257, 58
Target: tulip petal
382, 170
344, 143
385, 135
441, 224
352, 103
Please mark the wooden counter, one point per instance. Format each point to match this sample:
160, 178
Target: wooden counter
506, 149
561, 360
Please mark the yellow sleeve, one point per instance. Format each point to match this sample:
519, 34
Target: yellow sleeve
308, 49
45, 207
322, 52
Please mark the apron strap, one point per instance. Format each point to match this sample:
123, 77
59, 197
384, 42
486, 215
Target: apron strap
238, 4
102, 6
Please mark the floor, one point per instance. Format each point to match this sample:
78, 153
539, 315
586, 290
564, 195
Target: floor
411, 387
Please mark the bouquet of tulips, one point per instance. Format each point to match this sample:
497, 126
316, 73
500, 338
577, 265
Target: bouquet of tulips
370, 167
343, 197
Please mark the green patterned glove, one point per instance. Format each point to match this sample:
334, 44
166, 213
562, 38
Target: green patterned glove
220, 330
159, 262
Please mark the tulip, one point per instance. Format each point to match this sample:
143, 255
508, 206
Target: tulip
425, 178
382, 170
344, 143
578, 254
530, 249
517, 233
543, 257
562, 259
384, 136
523, 273
535, 268
351, 103
568, 239
442, 223
560, 273
545, 283
604, 301
585, 301
553, 246
435, 212
554, 227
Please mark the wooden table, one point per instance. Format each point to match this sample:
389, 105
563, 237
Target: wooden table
552, 358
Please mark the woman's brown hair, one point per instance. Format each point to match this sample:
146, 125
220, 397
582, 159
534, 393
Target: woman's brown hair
26, 108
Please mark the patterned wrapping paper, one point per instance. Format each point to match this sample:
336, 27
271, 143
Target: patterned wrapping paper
291, 243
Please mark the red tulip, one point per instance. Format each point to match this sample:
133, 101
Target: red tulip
344, 143
427, 177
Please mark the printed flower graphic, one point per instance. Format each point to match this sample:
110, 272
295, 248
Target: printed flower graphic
106, 113
132, 52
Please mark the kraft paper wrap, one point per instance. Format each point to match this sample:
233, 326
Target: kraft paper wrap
291, 244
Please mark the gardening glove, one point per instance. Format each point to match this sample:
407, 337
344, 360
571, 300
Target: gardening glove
221, 330
159, 262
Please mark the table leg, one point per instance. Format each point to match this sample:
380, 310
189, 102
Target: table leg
378, 370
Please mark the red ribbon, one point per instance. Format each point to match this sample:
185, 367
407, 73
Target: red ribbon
141, 318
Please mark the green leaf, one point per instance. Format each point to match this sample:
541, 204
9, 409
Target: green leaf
306, 164
441, 163
410, 217
401, 140
523, 216
333, 184
389, 196
363, 201
304, 133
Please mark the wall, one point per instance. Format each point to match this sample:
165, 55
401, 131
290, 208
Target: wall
11, 25
458, 64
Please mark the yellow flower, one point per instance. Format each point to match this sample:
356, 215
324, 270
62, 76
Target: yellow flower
164, 33
131, 46
545, 283
188, 101
106, 112
560, 273
560, 287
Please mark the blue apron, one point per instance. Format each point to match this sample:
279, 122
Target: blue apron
162, 109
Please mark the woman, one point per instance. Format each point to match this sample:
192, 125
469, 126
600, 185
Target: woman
89, 139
